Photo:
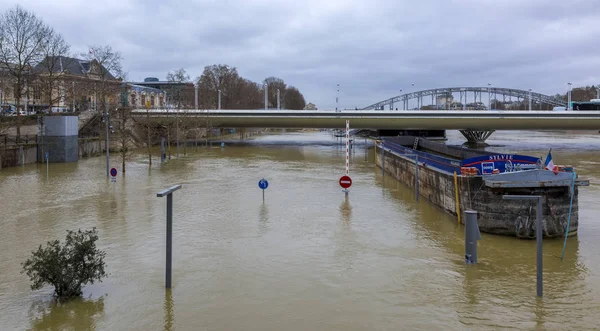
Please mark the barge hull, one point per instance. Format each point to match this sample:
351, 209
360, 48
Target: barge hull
496, 216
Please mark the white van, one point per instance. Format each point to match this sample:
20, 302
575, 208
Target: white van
56, 110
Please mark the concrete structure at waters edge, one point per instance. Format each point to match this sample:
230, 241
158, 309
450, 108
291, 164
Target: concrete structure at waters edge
61, 139
484, 193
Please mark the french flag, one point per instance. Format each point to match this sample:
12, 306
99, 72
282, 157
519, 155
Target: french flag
549, 164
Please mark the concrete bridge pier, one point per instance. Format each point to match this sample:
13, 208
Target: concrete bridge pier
477, 137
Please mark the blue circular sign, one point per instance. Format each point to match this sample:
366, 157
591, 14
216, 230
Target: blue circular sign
113, 172
263, 184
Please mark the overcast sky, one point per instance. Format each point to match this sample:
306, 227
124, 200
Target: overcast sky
371, 48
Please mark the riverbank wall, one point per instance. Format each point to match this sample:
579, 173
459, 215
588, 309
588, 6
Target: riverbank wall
495, 215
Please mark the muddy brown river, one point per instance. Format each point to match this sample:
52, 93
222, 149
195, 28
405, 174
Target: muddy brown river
306, 259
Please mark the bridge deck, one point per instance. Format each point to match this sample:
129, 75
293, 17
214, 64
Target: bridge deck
432, 120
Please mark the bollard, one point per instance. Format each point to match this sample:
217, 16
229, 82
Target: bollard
472, 234
169, 193
163, 155
538, 237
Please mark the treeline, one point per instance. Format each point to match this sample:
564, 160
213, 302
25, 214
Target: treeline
583, 93
236, 91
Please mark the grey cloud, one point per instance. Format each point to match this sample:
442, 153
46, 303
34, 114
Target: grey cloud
372, 49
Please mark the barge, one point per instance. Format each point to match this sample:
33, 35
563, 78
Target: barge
479, 180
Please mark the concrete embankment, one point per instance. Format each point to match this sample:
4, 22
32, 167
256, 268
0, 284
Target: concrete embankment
497, 216
16, 155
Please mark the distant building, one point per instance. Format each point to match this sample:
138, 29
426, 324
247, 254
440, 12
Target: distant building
310, 106
77, 83
138, 96
444, 100
180, 94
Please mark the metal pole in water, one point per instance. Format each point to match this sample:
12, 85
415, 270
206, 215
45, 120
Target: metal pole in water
169, 240
366, 149
107, 118
417, 178
471, 236
169, 193
538, 237
163, 155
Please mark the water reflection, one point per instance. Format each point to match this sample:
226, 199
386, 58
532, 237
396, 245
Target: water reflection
263, 218
346, 211
506, 267
168, 309
76, 314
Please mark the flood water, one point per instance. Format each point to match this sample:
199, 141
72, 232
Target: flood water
306, 259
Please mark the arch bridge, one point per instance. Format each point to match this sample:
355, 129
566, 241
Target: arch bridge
464, 94
473, 135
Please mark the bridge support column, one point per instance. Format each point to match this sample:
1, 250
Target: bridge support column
477, 137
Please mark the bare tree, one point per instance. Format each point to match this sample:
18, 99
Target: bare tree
176, 94
107, 72
215, 78
124, 136
274, 84
176, 91
50, 70
148, 136
294, 99
22, 36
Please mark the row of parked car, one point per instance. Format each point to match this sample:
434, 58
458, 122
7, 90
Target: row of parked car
12, 111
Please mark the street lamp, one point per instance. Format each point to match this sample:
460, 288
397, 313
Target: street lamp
598, 92
219, 104
529, 99
569, 97
489, 96
266, 101
278, 103
337, 97
196, 96
412, 85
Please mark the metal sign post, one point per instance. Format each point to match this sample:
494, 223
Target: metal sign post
113, 178
347, 156
538, 236
107, 145
169, 193
47, 155
263, 184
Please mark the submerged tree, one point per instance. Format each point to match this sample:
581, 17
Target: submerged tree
67, 267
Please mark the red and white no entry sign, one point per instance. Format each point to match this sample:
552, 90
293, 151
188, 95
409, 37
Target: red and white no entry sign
345, 181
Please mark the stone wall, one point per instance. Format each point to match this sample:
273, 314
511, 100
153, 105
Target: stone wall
91, 147
12, 157
498, 216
